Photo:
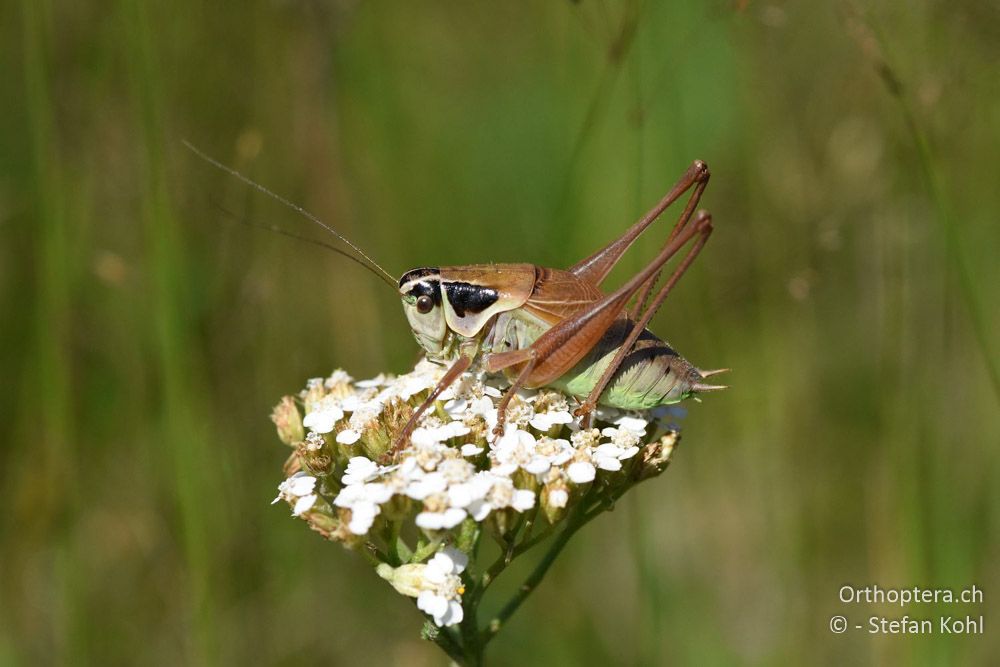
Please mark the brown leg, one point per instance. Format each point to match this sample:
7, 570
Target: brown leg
557, 350
682, 220
522, 377
460, 366
595, 268
702, 226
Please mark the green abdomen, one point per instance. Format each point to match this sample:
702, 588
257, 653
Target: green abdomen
651, 374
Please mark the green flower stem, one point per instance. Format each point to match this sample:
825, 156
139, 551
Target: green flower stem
532, 541
370, 553
449, 645
531, 521
530, 583
425, 551
472, 642
579, 520
396, 545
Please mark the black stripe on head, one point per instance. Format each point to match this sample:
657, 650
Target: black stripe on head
466, 297
425, 272
431, 288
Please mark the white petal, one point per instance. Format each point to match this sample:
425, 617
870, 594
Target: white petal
348, 436
537, 466
378, 493
514, 439
482, 406
431, 483
438, 568
362, 517
430, 520
471, 450
634, 424
363, 494
460, 495
349, 496
608, 463
561, 417
431, 603
562, 457
323, 420
457, 557
523, 500
425, 436
558, 497
300, 485
581, 472
452, 516
359, 470
453, 616
541, 422
352, 403
304, 504
456, 428
504, 469
608, 450
479, 510
629, 453
376, 381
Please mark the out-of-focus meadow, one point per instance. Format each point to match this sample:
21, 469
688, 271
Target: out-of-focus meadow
851, 283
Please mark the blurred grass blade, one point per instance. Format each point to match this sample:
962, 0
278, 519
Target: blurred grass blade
184, 433
50, 452
873, 47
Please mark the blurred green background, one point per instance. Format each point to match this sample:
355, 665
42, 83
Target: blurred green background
851, 284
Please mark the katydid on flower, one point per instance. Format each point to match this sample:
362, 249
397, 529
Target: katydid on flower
545, 327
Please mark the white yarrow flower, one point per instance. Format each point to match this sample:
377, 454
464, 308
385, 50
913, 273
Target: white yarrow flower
471, 449
323, 417
360, 470
442, 598
546, 420
298, 485
581, 472
348, 436
451, 471
364, 501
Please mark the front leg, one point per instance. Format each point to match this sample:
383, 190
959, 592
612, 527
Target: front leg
461, 365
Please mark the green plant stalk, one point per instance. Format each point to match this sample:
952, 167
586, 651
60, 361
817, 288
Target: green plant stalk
49, 373
942, 213
183, 429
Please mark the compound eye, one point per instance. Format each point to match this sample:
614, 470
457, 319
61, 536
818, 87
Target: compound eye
425, 304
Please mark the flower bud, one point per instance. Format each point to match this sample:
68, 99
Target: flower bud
499, 522
292, 464
379, 435
555, 498
407, 579
338, 384
315, 455
313, 393
656, 455
327, 525
288, 420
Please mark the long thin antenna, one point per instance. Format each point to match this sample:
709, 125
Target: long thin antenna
295, 207
284, 232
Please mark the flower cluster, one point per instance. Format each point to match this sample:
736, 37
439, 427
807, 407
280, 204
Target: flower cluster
419, 512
